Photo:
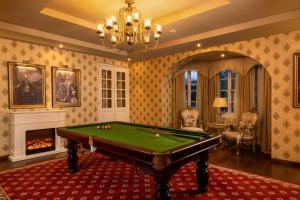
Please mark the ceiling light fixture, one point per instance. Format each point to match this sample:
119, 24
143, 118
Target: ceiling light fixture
130, 27
222, 55
199, 45
60, 45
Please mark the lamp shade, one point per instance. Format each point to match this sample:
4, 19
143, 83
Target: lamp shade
220, 102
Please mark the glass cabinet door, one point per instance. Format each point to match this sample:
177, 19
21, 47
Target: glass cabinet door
106, 88
120, 89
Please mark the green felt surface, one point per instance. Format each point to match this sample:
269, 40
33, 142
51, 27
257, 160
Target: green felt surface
138, 136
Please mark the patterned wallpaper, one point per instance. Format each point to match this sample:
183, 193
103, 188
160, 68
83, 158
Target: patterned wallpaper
151, 88
19, 51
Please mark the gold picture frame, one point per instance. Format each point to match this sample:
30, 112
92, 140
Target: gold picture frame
66, 87
296, 91
27, 87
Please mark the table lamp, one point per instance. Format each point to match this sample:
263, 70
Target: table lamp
219, 103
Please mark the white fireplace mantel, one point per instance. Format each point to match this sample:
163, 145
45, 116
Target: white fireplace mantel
22, 121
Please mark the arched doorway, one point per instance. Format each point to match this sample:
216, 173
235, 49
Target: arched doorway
243, 81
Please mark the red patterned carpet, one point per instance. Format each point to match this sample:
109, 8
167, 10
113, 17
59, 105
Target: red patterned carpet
102, 178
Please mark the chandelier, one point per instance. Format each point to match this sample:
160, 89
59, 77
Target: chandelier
128, 26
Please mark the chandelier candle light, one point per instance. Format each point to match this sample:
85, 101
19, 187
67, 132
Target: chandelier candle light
128, 26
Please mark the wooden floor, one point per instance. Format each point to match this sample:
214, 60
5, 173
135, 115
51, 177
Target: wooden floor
258, 163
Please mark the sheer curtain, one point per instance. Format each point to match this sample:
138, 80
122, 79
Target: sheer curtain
202, 96
178, 95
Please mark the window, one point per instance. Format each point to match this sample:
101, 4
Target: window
227, 88
190, 82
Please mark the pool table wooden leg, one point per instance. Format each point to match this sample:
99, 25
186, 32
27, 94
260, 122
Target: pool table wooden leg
72, 156
162, 187
202, 172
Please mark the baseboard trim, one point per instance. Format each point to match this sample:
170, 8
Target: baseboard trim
3, 158
286, 162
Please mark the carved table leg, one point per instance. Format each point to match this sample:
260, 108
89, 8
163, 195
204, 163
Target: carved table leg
202, 172
162, 187
72, 156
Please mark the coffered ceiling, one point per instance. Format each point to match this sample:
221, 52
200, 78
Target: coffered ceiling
209, 22
163, 11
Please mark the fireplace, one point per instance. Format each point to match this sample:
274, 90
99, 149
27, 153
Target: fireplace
38, 141
33, 133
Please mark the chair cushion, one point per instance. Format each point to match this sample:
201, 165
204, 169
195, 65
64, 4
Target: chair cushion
236, 135
196, 129
189, 122
232, 134
248, 137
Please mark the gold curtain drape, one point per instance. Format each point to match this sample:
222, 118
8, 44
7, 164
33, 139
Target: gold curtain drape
264, 132
178, 97
253, 91
213, 85
243, 94
202, 96
239, 93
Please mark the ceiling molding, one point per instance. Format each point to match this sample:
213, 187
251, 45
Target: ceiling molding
59, 38
167, 19
212, 37
188, 12
229, 29
68, 18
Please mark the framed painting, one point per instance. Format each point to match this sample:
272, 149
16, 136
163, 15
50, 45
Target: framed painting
65, 87
296, 93
26, 85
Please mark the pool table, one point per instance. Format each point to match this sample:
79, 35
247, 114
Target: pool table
159, 151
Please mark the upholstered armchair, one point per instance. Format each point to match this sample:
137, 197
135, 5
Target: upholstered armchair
189, 120
246, 133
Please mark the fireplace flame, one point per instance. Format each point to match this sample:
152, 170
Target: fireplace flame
39, 143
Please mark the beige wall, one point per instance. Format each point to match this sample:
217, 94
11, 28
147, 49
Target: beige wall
19, 51
151, 88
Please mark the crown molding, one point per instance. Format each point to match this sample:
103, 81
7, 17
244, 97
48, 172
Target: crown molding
228, 30
68, 18
22, 33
